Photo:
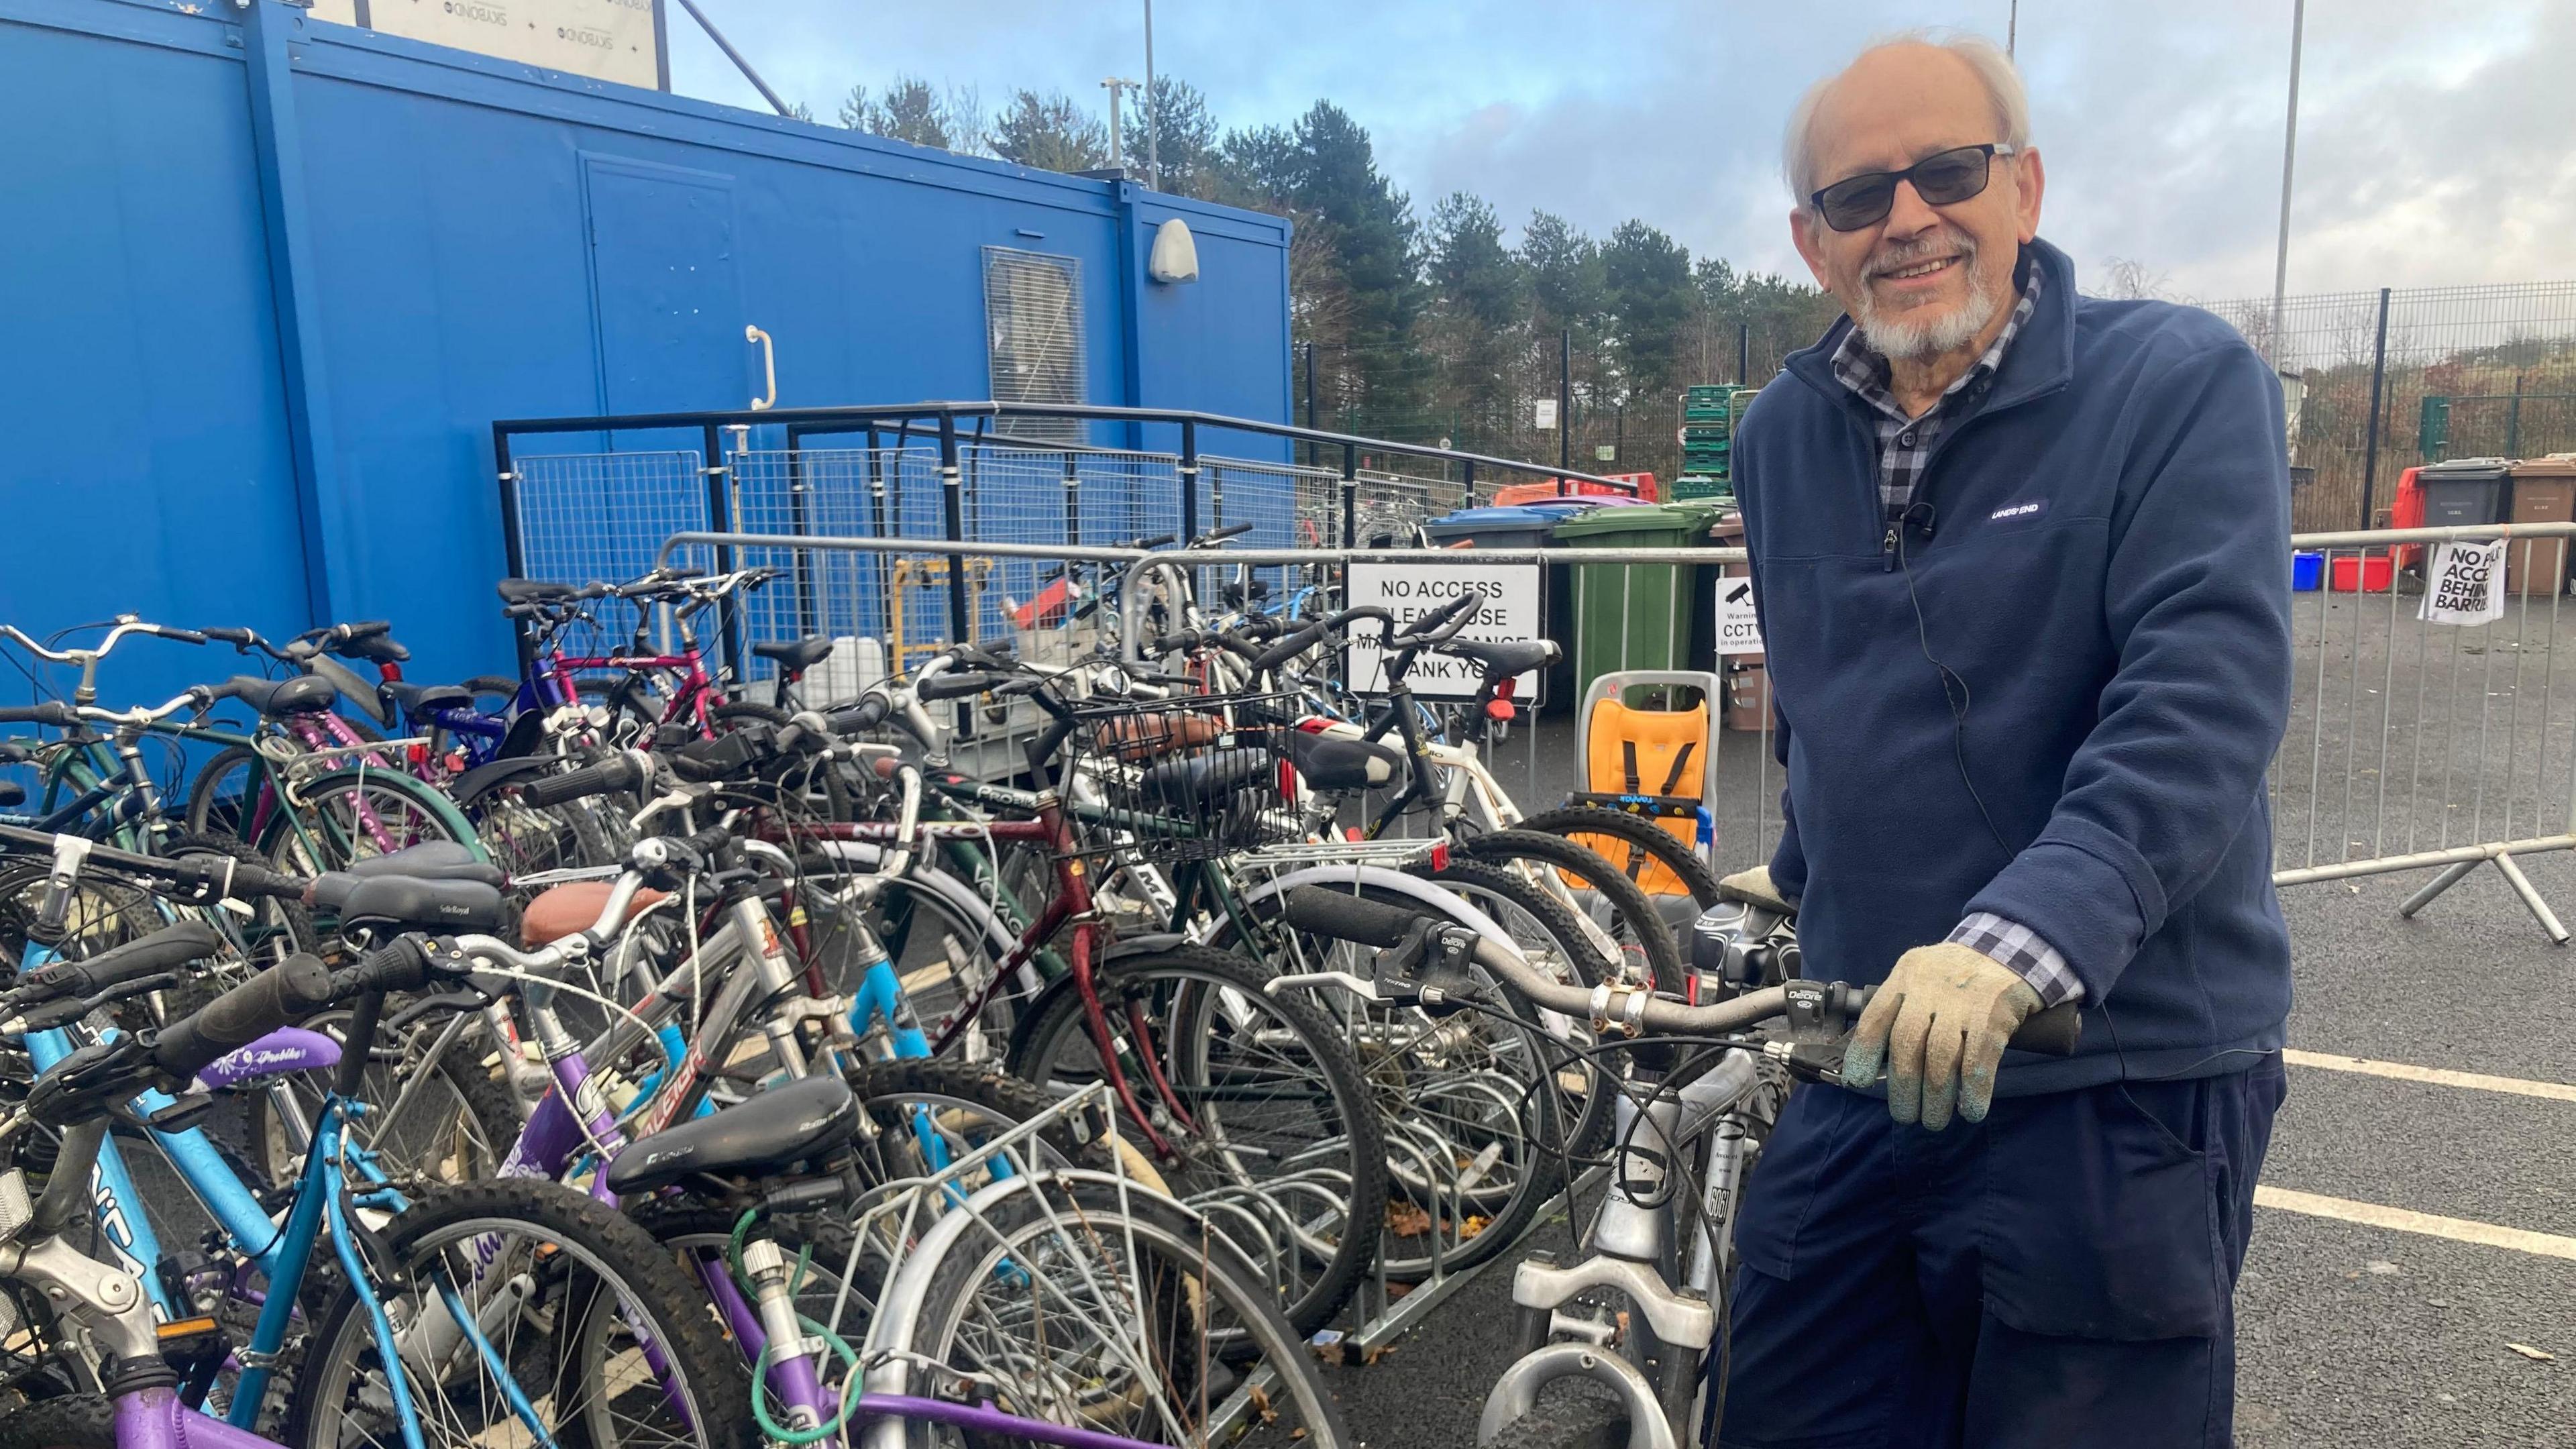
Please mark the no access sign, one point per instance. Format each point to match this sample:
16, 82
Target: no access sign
1738, 631
1410, 591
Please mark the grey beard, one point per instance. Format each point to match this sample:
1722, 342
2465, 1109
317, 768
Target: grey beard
1919, 341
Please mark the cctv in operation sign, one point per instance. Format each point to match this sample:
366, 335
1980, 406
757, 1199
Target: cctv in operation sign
610, 40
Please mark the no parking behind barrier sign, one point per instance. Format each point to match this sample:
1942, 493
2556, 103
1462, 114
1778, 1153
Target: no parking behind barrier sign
2464, 584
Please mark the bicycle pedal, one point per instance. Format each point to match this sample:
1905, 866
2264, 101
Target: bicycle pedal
183, 1113
195, 1349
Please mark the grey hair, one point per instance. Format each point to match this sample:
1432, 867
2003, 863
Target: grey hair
1994, 70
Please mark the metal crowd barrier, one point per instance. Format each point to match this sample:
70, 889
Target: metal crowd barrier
2419, 745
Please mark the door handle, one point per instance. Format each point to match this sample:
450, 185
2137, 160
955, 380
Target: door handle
768, 367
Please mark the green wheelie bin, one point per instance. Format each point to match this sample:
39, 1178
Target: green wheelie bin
1634, 616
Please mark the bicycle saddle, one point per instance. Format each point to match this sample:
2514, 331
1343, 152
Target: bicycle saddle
421, 698
1203, 777
430, 860
760, 1137
558, 911
1506, 658
796, 655
401, 903
1332, 765
278, 698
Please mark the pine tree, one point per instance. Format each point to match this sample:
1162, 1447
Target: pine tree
1646, 279
1050, 132
1184, 139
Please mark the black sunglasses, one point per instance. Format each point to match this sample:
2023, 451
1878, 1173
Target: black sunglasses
1940, 179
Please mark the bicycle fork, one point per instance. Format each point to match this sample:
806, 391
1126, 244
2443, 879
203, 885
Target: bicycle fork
1633, 1252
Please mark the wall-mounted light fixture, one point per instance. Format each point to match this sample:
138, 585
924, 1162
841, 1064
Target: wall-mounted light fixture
1175, 257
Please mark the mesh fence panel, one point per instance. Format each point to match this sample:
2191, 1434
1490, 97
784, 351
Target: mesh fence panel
606, 516
2486, 371
601, 517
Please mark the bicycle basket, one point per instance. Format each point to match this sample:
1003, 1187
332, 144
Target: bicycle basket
1178, 779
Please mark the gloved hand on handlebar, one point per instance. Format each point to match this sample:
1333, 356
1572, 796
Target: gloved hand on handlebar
1940, 1021
1754, 888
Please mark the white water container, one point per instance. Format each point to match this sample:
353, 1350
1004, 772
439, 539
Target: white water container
853, 665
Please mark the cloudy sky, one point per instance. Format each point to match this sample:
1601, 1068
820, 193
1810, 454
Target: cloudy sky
2437, 143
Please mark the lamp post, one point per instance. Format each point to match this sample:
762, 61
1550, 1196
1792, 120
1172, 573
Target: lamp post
1153, 147
2289, 159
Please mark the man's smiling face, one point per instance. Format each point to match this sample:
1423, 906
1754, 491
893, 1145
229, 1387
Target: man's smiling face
1927, 279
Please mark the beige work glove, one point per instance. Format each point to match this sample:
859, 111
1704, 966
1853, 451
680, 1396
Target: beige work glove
1754, 887
1941, 1021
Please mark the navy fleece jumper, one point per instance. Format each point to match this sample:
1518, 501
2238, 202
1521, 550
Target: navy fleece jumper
2099, 554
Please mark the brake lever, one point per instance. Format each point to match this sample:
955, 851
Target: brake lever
470, 997
64, 1010
1359, 986
1820, 1016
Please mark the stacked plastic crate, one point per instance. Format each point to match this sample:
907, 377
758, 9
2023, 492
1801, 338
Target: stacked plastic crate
1709, 414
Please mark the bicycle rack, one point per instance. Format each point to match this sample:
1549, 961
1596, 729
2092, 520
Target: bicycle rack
933, 1214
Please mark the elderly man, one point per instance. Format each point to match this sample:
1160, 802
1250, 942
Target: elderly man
2021, 561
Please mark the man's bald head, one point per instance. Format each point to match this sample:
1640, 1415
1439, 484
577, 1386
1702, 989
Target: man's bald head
1917, 64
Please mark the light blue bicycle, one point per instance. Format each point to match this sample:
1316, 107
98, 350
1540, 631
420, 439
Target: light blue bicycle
498, 1314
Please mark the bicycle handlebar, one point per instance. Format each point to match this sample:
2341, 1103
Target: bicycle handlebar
128, 624
402, 965
1374, 923
1315, 633
1441, 624
954, 686
282, 995
628, 771
163, 950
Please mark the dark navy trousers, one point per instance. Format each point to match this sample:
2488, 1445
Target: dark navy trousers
2061, 1274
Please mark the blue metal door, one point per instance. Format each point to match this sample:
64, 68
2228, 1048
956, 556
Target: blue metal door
664, 287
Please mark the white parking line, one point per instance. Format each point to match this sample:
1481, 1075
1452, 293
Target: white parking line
2458, 1230
2438, 1076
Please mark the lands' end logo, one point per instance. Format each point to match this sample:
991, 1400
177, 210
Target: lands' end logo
2018, 510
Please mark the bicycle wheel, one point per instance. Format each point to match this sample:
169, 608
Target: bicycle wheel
1480, 1108
606, 1346
915, 1104
70, 1421
1654, 857
1600, 892
1124, 1313
223, 794
1265, 1119
1578, 1417
357, 814
944, 951
448, 1120
963, 1106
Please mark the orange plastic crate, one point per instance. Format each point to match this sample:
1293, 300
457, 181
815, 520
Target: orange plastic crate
2363, 573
